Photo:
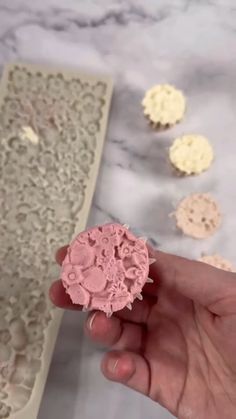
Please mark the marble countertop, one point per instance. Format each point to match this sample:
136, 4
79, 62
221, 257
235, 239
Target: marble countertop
189, 43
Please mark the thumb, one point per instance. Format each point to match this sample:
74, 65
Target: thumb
211, 287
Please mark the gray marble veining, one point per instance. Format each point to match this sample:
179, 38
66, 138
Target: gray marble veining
191, 44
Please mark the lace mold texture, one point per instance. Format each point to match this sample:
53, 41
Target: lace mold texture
52, 128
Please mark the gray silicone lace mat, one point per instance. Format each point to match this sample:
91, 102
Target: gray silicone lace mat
52, 128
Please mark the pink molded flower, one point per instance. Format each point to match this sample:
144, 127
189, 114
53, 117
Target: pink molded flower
125, 250
134, 273
129, 235
93, 234
110, 270
104, 238
71, 274
139, 246
120, 273
140, 258
82, 255
117, 289
120, 231
114, 231
101, 303
136, 288
94, 280
103, 260
78, 295
108, 229
99, 237
83, 237
107, 241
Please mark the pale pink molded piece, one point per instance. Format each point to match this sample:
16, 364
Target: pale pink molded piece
80, 295
105, 268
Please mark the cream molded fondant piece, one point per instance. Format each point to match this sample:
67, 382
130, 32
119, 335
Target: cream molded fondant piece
191, 154
164, 105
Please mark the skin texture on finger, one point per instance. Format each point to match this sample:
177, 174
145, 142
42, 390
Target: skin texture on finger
188, 363
128, 368
140, 310
113, 332
210, 287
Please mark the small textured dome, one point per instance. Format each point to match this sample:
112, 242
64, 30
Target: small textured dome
191, 154
164, 105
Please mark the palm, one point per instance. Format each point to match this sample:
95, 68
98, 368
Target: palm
181, 349
185, 364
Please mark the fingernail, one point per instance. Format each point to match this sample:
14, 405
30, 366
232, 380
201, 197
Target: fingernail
91, 320
112, 364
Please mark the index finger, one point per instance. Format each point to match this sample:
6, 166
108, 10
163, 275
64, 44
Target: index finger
211, 287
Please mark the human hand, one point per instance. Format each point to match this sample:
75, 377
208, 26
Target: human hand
178, 345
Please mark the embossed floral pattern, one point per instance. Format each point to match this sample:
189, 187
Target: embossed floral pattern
49, 137
115, 274
71, 274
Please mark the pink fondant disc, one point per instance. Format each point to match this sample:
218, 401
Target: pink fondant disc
105, 268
